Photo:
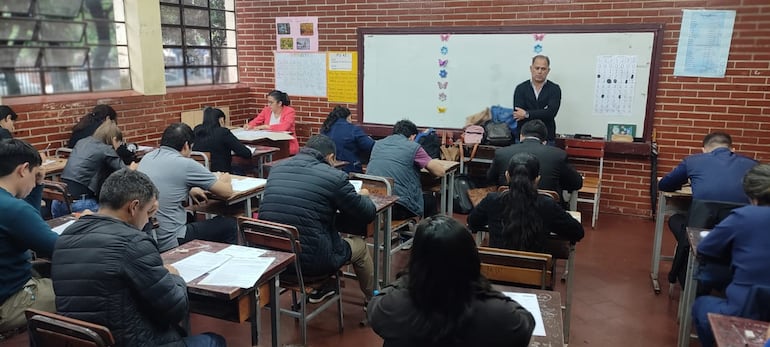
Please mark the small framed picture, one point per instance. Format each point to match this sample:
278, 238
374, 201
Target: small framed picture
621, 132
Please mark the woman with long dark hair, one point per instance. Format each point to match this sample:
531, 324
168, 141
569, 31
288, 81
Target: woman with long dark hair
443, 299
212, 137
353, 145
90, 122
277, 116
520, 218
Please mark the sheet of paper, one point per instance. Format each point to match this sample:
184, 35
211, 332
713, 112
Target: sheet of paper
241, 252
60, 229
704, 233
251, 149
244, 184
529, 301
49, 162
357, 184
236, 272
145, 148
199, 263
251, 135
704, 43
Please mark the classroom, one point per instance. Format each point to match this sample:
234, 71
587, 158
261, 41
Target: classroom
151, 77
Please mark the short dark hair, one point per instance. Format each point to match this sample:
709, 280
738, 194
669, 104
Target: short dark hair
756, 184
280, 96
540, 56
14, 152
405, 127
124, 186
718, 138
6, 111
535, 128
176, 135
321, 143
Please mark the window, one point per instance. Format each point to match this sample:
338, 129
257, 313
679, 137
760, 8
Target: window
199, 41
62, 46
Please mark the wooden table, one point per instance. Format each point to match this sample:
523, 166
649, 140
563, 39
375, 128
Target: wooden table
732, 331
53, 167
219, 206
55, 222
668, 204
550, 308
690, 284
381, 236
233, 303
259, 156
446, 205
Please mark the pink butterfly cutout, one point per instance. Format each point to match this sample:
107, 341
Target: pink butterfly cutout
538, 37
443, 63
444, 37
442, 85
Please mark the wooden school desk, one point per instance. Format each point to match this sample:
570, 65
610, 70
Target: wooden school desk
446, 205
550, 308
668, 204
53, 167
690, 284
732, 331
259, 156
233, 303
381, 236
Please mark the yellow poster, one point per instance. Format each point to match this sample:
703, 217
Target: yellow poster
342, 76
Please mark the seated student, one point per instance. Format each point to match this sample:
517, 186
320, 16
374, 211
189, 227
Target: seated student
741, 240
277, 116
444, 300
211, 136
106, 271
7, 122
351, 141
177, 177
92, 160
22, 229
90, 122
399, 157
307, 192
520, 218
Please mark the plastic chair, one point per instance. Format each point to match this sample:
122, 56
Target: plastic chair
50, 329
590, 152
285, 238
63, 152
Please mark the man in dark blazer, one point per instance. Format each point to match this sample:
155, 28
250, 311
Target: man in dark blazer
555, 172
538, 98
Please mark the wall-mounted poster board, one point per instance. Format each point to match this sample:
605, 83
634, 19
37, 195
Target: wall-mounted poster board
438, 76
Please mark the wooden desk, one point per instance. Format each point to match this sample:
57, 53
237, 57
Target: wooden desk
690, 284
55, 222
233, 303
259, 156
668, 204
731, 331
54, 167
381, 236
550, 308
446, 205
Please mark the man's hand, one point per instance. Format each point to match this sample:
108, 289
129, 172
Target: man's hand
171, 269
519, 113
198, 196
363, 191
133, 166
262, 127
224, 177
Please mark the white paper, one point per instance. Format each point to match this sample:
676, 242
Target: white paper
704, 233
241, 252
357, 184
529, 302
144, 148
242, 273
199, 263
341, 61
704, 43
251, 135
49, 161
60, 229
249, 183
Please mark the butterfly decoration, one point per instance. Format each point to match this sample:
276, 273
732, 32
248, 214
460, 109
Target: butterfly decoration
443, 73
443, 62
444, 50
442, 85
444, 37
442, 96
538, 48
441, 109
538, 37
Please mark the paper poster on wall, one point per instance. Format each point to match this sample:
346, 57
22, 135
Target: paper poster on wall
296, 34
615, 83
301, 74
342, 76
704, 43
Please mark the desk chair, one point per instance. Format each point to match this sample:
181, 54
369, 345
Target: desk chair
62, 152
507, 266
57, 190
204, 158
285, 238
50, 329
591, 152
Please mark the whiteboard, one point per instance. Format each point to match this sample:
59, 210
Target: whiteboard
401, 78
301, 74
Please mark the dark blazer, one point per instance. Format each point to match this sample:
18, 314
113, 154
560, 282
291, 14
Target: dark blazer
5, 134
220, 143
353, 145
544, 107
555, 171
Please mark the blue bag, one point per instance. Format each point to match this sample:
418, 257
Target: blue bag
503, 115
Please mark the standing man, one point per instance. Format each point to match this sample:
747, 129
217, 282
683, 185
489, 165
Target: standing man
538, 98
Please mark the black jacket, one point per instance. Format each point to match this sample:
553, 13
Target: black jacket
107, 272
125, 154
543, 107
307, 193
221, 143
555, 171
5, 134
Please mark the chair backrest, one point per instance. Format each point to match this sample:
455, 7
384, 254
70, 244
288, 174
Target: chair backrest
757, 305
202, 157
273, 236
63, 152
50, 329
56, 190
708, 213
549, 193
584, 149
517, 267
375, 184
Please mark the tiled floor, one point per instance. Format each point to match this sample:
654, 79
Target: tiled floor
614, 304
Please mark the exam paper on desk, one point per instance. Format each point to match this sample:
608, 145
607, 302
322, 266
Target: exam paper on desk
199, 263
238, 272
251, 135
241, 252
529, 302
60, 229
244, 184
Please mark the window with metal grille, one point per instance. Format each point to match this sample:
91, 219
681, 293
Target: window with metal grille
62, 46
199, 41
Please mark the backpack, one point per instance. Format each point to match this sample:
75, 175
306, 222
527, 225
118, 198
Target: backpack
497, 134
503, 115
462, 201
430, 142
473, 134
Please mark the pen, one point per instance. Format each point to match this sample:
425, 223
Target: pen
46, 149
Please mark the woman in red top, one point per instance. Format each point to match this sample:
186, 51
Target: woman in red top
277, 116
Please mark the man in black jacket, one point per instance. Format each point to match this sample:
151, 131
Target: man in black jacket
106, 271
555, 172
7, 122
307, 192
538, 98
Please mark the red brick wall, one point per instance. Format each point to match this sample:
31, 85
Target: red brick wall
687, 108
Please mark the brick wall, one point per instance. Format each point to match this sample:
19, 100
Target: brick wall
687, 107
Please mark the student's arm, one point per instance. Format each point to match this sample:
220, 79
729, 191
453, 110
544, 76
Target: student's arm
569, 179
260, 118
164, 295
223, 187
553, 95
28, 229
479, 216
35, 197
198, 176
364, 142
113, 160
675, 179
232, 143
352, 205
287, 120
718, 243
558, 221
435, 168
